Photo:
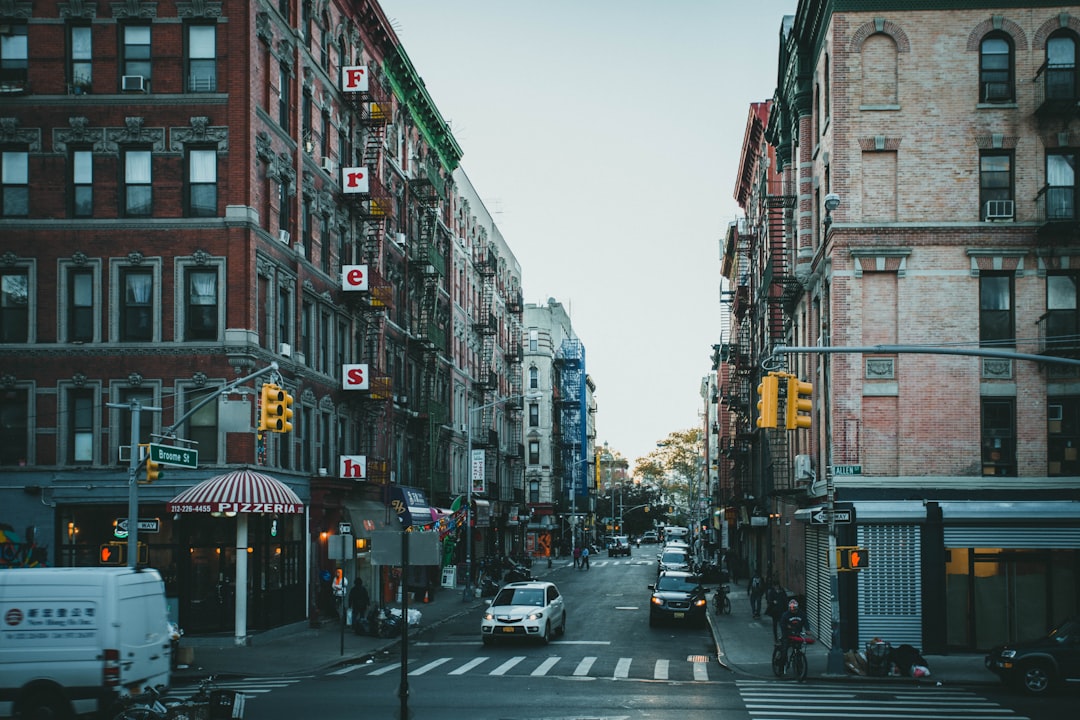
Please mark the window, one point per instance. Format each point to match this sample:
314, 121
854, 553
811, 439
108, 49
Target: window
202, 183
14, 55
82, 183
80, 305
534, 340
305, 122
996, 320
80, 58
15, 183
325, 343
534, 452
999, 437
283, 98
202, 305
202, 427
534, 415
1061, 67
996, 69
14, 306
138, 195
202, 58
1063, 436
306, 229
534, 378
14, 427
995, 186
284, 315
283, 206
136, 60
1060, 186
324, 243
137, 305
81, 426
1062, 330
306, 330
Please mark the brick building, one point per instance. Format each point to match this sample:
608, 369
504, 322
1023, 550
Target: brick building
191, 192
910, 191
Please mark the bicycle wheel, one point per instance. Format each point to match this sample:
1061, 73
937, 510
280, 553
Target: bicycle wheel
136, 713
727, 605
799, 665
778, 661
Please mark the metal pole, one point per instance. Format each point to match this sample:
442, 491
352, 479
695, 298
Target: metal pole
133, 488
467, 594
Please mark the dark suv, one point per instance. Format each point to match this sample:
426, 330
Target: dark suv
678, 596
1039, 665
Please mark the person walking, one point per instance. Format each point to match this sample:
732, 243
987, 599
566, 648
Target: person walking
577, 556
755, 589
359, 600
585, 557
774, 605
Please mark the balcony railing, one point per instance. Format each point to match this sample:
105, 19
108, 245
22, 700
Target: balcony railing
1055, 91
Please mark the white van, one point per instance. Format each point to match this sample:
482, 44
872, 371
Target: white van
676, 532
74, 639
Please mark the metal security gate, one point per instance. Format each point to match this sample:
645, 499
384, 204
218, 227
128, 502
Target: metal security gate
890, 589
818, 584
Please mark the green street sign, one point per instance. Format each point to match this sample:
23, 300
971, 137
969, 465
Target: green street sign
169, 455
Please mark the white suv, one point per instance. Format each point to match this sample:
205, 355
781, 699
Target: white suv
524, 609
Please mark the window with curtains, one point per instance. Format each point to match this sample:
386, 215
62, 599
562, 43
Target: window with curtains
1060, 188
202, 305
136, 305
80, 417
14, 305
14, 427
138, 197
136, 51
202, 426
202, 183
80, 301
1061, 66
15, 183
82, 183
996, 321
999, 437
996, 69
80, 58
202, 58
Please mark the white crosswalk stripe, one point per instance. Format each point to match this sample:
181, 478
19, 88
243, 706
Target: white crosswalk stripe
695, 668
251, 687
505, 667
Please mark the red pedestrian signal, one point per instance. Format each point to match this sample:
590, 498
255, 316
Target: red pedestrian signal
851, 559
112, 554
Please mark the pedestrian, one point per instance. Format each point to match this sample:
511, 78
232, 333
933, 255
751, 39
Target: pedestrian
755, 589
774, 605
359, 601
577, 556
585, 557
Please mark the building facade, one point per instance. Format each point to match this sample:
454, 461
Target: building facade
910, 191
199, 192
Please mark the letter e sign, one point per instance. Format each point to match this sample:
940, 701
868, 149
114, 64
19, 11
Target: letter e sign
354, 277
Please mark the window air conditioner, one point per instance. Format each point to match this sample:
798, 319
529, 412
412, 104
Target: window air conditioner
285, 350
133, 83
999, 210
803, 468
399, 238
283, 236
996, 92
328, 165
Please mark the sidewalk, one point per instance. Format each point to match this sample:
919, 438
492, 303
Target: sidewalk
743, 645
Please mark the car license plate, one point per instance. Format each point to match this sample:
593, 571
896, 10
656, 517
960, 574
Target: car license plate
508, 629
679, 616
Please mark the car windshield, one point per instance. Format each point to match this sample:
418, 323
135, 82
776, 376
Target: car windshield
520, 596
674, 557
676, 583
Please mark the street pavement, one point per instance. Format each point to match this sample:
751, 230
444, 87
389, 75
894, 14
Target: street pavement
743, 645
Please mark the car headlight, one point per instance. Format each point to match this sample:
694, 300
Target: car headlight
535, 615
657, 601
700, 601
1010, 654
489, 616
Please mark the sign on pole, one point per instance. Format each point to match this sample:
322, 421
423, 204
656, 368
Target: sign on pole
477, 473
169, 455
821, 517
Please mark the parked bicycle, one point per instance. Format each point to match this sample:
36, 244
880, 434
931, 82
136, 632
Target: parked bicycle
208, 703
722, 600
791, 657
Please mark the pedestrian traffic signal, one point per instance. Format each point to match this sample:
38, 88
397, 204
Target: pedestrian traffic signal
767, 402
850, 559
114, 553
798, 401
276, 411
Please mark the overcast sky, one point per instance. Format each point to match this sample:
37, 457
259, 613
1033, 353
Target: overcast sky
604, 137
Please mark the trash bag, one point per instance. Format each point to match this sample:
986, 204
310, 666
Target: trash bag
910, 661
878, 657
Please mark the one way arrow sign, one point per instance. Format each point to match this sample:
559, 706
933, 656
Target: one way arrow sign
821, 517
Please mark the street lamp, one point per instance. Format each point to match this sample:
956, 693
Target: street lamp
477, 468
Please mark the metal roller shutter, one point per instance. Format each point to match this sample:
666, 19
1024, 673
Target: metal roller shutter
890, 589
818, 584
1012, 537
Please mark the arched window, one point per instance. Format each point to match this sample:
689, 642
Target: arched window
996, 69
1061, 66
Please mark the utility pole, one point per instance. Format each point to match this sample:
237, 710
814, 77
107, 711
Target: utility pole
134, 463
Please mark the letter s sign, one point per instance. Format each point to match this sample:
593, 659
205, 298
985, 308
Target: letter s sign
354, 377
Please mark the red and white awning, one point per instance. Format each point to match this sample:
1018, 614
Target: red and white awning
242, 491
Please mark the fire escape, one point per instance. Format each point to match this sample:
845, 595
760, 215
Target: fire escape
487, 379
737, 384
427, 263
373, 209
569, 366
515, 359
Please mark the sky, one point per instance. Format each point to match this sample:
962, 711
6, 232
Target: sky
604, 138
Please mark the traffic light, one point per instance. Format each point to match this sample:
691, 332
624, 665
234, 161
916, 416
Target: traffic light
766, 404
153, 469
798, 400
851, 559
113, 553
276, 412
285, 423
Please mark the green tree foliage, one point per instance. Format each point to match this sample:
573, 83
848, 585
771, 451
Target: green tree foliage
672, 466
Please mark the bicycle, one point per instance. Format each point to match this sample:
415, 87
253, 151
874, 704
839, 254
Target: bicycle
721, 601
207, 702
795, 660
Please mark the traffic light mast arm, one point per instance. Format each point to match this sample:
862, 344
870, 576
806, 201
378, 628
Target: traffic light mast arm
228, 387
780, 350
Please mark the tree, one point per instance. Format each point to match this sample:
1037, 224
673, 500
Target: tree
675, 466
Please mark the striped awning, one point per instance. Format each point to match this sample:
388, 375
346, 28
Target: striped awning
242, 491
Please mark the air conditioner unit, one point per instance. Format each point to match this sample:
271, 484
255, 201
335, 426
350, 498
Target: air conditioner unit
399, 238
804, 469
999, 210
996, 92
328, 165
133, 83
283, 236
285, 350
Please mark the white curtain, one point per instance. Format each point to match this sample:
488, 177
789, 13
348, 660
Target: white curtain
138, 288
203, 166
203, 288
137, 167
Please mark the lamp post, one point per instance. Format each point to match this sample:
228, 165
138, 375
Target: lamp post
477, 468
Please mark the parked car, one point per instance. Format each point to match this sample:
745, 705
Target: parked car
674, 560
532, 609
618, 545
678, 596
1040, 665
649, 537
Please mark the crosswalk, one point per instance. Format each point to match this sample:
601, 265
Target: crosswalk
801, 701
693, 668
251, 687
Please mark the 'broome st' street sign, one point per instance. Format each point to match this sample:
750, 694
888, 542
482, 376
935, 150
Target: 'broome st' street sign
169, 455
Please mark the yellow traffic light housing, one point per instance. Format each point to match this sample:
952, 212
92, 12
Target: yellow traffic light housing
153, 469
113, 553
798, 401
275, 414
767, 403
285, 421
